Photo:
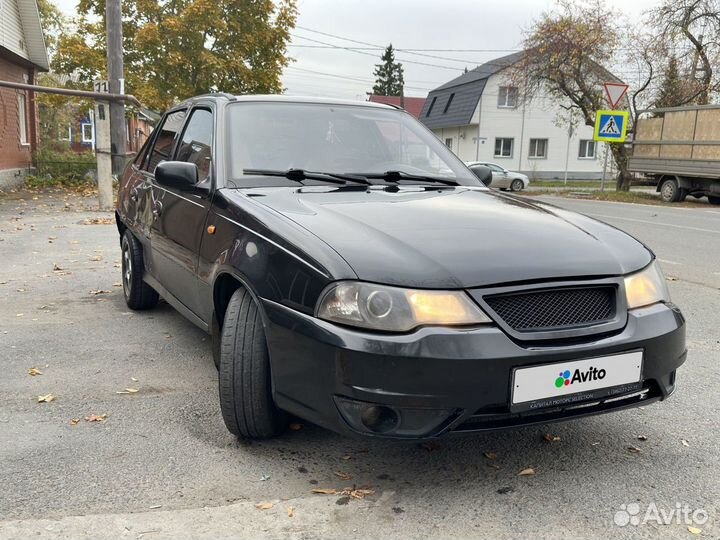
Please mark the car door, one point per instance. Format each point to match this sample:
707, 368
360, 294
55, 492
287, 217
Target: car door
180, 215
500, 176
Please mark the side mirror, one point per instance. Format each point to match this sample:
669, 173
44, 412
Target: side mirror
178, 175
483, 173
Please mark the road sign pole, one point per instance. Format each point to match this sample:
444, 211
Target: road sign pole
602, 182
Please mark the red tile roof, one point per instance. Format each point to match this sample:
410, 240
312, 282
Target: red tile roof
413, 105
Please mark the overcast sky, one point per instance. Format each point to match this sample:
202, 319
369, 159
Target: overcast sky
491, 28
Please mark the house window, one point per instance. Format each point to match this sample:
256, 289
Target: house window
88, 135
503, 147
66, 135
507, 96
432, 104
22, 116
448, 142
449, 101
538, 149
587, 149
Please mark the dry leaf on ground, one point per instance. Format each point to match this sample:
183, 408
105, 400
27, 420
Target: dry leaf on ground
291, 511
694, 530
34, 371
47, 398
343, 475
527, 472
96, 258
684, 442
346, 457
642, 437
74, 421
99, 291
128, 391
264, 505
323, 491
96, 418
99, 221
490, 455
551, 438
634, 449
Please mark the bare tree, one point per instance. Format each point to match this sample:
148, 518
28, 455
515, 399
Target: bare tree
693, 25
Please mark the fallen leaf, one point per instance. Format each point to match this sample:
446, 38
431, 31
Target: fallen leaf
551, 438
34, 371
684, 442
117, 284
343, 475
633, 449
346, 457
96, 258
99, 221
96, 418
694, 530
324, 491
99, 291
642, 437
671, 278
490, 455
291, 511
265, 478
360, 493
74, 421
527, 472
295, 427
128, 391
264, 505
47, 398
57, 267
133, 379
21, 290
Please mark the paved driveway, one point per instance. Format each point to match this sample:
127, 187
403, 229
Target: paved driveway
161, 465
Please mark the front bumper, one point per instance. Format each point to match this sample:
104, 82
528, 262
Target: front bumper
447, 380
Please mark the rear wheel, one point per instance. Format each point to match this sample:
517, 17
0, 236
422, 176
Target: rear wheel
517, 185
244, 378
670, 190
138, 294
713, 200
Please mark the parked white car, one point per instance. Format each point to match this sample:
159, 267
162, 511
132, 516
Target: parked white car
502, 178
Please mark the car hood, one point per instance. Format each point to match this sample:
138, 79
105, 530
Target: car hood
454, 237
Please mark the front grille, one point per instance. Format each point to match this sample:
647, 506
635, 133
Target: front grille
554, 309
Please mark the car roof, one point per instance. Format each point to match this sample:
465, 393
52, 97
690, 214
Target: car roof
282, 98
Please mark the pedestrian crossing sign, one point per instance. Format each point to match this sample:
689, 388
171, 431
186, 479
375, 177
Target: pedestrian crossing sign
611, 126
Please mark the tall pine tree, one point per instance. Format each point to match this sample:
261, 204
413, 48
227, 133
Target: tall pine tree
389, 76
673, 90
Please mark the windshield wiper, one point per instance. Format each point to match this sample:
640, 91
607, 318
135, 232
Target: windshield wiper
298, 175
396, 176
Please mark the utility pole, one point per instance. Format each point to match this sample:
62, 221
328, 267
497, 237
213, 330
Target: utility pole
113, 18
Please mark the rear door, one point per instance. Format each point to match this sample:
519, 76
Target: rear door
179, 216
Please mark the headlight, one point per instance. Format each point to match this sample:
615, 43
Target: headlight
646, 287
396, 310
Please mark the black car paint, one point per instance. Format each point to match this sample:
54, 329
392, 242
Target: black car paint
286, 243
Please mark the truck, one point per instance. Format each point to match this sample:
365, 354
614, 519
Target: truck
679, 149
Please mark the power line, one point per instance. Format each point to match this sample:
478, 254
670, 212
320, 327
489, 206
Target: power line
359, 79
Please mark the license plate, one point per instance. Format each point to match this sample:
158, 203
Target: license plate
566, 382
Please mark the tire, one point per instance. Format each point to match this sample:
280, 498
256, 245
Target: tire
517, 185
138, 294
670, 190
245, 381
713, 199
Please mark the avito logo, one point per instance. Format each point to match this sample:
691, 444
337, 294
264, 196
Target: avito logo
567, 378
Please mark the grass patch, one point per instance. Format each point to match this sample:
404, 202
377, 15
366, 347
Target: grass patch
571, 183
638, 197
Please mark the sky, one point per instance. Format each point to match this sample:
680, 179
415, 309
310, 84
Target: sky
486, 29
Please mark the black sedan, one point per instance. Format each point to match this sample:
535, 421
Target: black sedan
353, 272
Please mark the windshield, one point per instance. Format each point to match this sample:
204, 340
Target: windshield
338, 139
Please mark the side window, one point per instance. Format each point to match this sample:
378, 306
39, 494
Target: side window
196, 142
140, 158
165, 139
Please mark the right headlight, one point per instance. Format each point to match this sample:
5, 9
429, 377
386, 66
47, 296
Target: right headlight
646, 287
393, 309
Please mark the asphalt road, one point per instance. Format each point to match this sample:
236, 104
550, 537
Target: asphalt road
162, 464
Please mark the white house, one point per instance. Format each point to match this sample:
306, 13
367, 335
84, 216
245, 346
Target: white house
479, 117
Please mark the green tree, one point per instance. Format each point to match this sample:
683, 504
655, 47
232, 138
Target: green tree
673, 90
53, 22
179, 48
389, 75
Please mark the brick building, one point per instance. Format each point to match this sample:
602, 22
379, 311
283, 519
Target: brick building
22, 57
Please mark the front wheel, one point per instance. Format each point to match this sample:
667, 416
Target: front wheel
670, 190
138, 294
517, 185
245, 382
